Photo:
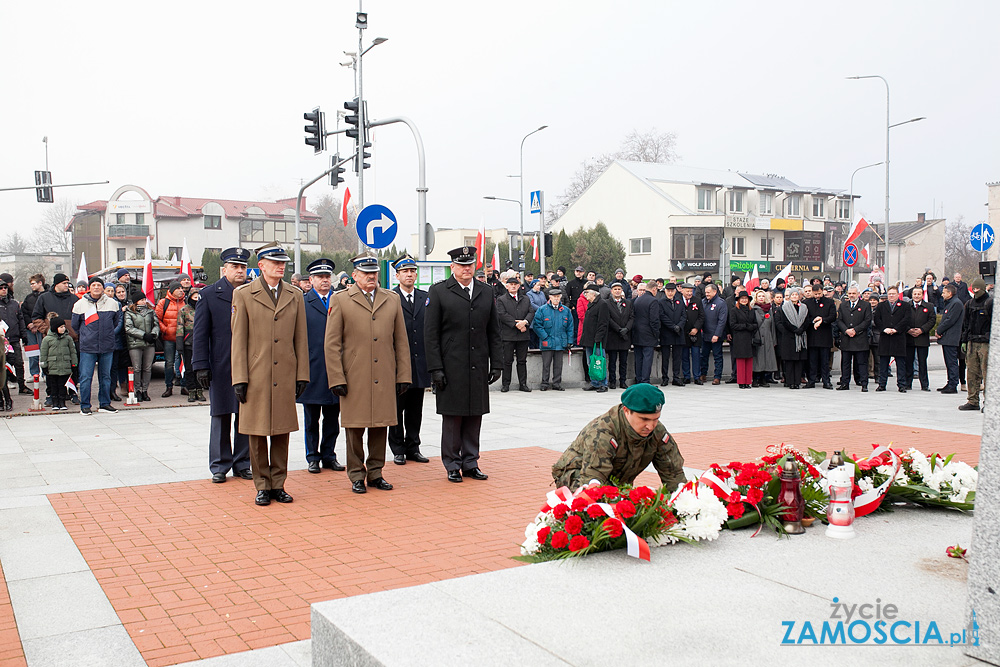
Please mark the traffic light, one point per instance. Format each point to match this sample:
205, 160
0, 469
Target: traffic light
520, 260
353, 119
366, 155
316, 132
43, 195
335, 178
547, 244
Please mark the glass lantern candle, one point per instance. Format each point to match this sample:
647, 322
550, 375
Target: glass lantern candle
791, 497
840, 509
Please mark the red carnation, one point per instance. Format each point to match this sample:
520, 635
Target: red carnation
595, 512
559, 512
579, 503
735, 510
559, 540
856, 491
574, 525
613, 527
813, 472
668, 518
610, 491
722, 474
735, 465
641, 493
754, 496
625, 509
543, 534
735, 497
579, 542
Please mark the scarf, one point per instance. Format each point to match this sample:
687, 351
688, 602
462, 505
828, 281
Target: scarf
797, 319
766, 307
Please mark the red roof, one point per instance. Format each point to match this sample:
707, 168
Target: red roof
184, 207
99, 205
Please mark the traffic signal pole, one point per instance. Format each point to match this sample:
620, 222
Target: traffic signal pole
421, 181
298, 210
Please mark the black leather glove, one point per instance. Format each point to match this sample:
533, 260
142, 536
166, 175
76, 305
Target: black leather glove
339, 390
439, 380
623, 332
401, 388
204, 377
241, 391
300, 386
676, 328
494, 376
149, 338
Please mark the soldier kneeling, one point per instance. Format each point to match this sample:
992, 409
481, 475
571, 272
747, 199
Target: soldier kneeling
619, 445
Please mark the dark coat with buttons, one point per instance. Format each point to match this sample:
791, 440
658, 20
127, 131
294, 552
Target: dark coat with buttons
413, 318
924, 318
510, 311
694, 319
212, 345
318, 390
620, 316
672, 319
950, 327
594, 329
899, 318
646, 327
462, 339
825, 308
858, 318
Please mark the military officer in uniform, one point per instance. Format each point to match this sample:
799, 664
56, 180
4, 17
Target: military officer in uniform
621, 443
367, 365
404, 437
228, 449
464, 357
317, 400
270, 368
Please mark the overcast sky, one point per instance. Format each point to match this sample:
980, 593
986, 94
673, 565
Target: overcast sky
205, 99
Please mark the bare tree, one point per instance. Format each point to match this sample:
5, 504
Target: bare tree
14, 243
50, 233
958, 253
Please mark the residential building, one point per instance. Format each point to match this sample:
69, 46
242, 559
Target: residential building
23, 265
914, 247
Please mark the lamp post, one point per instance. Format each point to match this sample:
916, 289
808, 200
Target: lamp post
521, 207
520, 181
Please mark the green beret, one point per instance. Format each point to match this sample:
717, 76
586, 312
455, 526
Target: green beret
644, 398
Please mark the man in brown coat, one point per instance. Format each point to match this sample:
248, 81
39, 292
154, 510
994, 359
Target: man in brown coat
270, 359
367, 365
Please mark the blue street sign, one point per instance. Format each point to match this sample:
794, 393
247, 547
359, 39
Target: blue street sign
981, 237
850, 254
253, 274
536, 201
376, 226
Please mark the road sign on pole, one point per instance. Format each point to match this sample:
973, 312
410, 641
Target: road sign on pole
850, 254
536, 201
376, 226
982, 237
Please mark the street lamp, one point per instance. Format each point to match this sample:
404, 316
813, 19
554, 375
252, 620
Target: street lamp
520, 205
520, 180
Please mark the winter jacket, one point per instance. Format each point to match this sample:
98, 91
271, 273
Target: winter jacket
58, 354
185, 325
104, 315
60, 303
581, 311
120, 342
138, 322
167, 311
743, 324
978, 316
763, 355
537, 299
594, 328
620, 316
950, 326
646, 325
716, 318
553, 326
10, 312
28, 306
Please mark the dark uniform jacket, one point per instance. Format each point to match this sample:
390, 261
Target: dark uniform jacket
825, 308
950, 326
646, 325
924, 318
858, 318
672, 318
212, 346
462, 338
620, 316
413, 317
694, 319
978, 316
608, 448
318, 390
900, 318
594, 330
510, 311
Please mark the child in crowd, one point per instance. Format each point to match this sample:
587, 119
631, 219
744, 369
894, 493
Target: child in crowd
57, 358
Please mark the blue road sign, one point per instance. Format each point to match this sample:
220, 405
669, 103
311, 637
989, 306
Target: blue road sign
376, 226
981, 237
850, 254
536, 201
253, 274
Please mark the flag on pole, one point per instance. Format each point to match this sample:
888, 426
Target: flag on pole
31, 350
534, 247
343, 208
746, 279
186, 261
864, 255
859, 226
496, 259
481, 243
785, 272
82, 273
173, 257
71, 385
147, 275
754, 281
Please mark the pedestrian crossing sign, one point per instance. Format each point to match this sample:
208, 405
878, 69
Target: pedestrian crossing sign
536, 201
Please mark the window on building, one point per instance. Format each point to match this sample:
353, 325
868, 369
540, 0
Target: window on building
140, 218
121, 254
739, 247
844, 210
140, 253
766, 203
312, 232
214, 251
766, 247
174, 252
736, 201
120, 218
704, 199
793, 206
880, 258
58, 267
213, 222
279, 232
469, 241
640, 246
819, 207
695, 242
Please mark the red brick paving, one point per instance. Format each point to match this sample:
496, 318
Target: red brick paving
196, 570
11, 652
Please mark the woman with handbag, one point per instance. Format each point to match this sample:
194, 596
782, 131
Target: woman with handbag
743, 326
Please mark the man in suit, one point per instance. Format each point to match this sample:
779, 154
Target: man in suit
464, 356
317, 400
515, 314
228, 448
270, 368
404, 437
854, 317
694, 319
918, 338
716, 318
949, 335
961, 289
819, 334
621, 319
672, 320
368, 366
892, 320
645, 331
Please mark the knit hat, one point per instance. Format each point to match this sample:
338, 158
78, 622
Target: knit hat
59, 278
56, 322
7, 278
121, 272
707, 274
621, 271
174, 285
643, 398
95, 279
978, 284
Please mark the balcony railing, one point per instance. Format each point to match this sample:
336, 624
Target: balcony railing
128, 231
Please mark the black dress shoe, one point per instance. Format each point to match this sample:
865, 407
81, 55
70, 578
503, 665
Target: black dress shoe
525, 388
115, 397
949, 390
663, 383
698, 382
864, 389
280, 496
475, 473
313, 467
417, 456
219, 477
454, 476
184, 391
731, 381
590, 387
827, 385
810, 385
504, 388
925, 389
399, 459
380, 484
243, 474
557, 387
263, 498
167, 393
359, 486
544, 387
902, 390
678, 383
622, 384
843, 387
880, 388
334, 465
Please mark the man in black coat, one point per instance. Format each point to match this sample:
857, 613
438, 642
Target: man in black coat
691, 341
819, 334
16, 332
515, 314
228, 449
962, 289
621, 318
594, 331
38, 287
672, 319
892, 320
949, 335
317, 400
645, 333
464, 356
404, 437
573, 290
854, 317
918, 338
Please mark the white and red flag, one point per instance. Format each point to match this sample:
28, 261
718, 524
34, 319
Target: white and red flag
754, 281
147, 275
534, 247
495, 263
859, 226
186, 261
784, 273
82, 274
865, 256
343, 207
481, 243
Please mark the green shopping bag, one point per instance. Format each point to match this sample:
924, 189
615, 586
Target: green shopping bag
598, 366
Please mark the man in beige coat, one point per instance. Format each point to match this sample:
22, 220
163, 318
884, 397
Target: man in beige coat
367, 364
270, 368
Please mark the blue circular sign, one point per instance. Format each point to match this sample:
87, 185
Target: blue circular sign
376, 226
981, 237
850, 254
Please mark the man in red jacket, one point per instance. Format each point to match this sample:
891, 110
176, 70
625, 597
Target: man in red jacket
166, 315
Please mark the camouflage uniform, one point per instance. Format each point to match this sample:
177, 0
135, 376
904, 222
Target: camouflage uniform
609, 447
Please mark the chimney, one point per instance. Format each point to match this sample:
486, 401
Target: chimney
920, 217
177, 201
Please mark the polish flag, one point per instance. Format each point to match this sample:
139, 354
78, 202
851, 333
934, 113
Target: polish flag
10, 369
481, 243
859, 226
754, 281
82, 273
182, 366
534, 247
343, 208
147, 275
496, 259
186, 261
91, 314
746, 280
785, 272
70, 385
864, 255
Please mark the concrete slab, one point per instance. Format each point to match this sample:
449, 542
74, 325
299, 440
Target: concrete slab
29, 556
100, 647
273, 656
60, 604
